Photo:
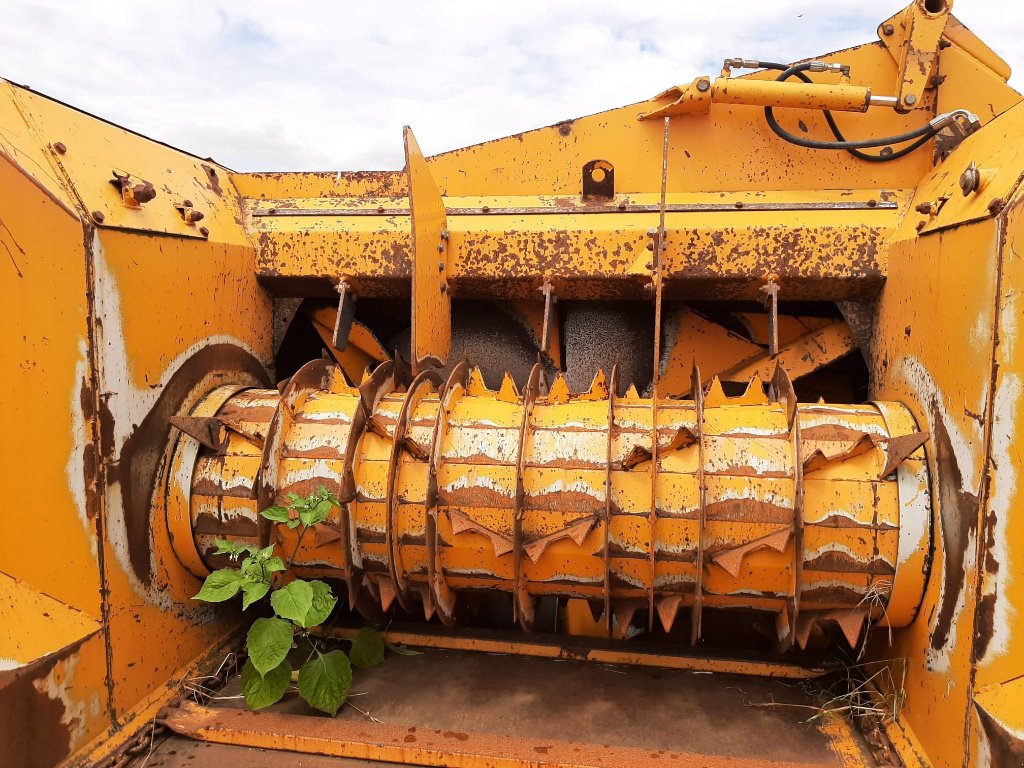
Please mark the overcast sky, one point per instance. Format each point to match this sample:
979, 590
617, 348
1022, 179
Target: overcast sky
263, 85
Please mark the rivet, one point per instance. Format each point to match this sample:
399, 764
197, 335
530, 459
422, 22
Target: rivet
204, 232
910, 99
703, 86
872, 203
888, 29
440, 267
98, 217
59, 147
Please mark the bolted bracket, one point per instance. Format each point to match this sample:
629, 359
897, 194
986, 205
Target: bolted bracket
134, 192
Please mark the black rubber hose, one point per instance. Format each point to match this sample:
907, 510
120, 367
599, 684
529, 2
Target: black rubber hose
922, 135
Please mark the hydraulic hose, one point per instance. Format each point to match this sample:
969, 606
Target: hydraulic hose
919, 136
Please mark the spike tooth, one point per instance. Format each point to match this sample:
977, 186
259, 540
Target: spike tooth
387, 593
631, 393
668, 607
598, 387
476, 385
623, 613
559, 392
899, 449
850, 622
508, 393
715, 395
208, 430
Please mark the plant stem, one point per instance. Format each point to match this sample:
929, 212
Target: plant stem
298, 543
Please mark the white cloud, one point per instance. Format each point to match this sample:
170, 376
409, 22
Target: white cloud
329, 85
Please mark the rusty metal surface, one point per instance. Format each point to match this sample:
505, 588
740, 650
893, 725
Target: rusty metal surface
506, 710
594, 649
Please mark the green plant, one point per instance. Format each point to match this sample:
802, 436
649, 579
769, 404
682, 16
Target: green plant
299, 605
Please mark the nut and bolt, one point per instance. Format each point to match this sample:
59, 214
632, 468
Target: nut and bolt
59, 148
925, 208
204, 231
888, 29
440, 267
98, 217
970, 179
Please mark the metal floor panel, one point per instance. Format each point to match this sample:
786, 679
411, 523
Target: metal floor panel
540, 700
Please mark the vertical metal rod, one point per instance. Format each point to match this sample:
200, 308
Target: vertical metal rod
522, 605
659, 246
698, 577
613, 385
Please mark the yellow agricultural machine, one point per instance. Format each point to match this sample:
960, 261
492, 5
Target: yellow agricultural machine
683, 434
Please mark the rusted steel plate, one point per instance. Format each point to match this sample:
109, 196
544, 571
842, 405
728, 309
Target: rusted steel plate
410, 745
431, 302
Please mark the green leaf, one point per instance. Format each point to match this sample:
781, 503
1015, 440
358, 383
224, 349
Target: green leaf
220, 586
402, 650
316, 514
276, 514
294, 498
323, 603
252, 570
268, 641
263, 690
367, 648
253, 591
273, 565
225, 547
324, 681
293, 601
266, 553
293, 524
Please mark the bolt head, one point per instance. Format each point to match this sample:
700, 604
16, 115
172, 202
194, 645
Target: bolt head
59, 148
703, 86
910, 99
970, 179
98, 217
888, 29
204, 231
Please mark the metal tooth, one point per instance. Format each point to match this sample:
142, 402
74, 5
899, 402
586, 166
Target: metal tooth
387, 593
899, 449
851, 622
208, 430
731, 559
715, 395
819, 459
668, 607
